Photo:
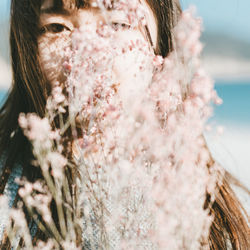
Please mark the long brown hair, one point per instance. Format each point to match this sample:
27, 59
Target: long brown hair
30, 90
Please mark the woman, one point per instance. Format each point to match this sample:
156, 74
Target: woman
31, 21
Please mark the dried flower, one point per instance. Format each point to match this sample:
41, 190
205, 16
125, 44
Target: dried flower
137, 161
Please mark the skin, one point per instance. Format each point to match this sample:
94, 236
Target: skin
58, 28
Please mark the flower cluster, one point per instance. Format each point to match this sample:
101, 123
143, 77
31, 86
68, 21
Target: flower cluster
126, 165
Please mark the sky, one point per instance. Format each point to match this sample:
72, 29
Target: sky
227, 16
4, 9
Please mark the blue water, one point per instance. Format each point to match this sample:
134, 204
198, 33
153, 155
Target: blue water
2, 96
235, 107
236, 102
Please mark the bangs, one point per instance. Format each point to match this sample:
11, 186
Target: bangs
71, 4
75, 4
66, 4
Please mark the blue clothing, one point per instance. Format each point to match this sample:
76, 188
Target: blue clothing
10, 191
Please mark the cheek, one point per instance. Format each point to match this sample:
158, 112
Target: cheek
133, 65
52, 55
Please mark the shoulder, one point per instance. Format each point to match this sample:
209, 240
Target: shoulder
2, 162
9, 192
243, 195
11, 187
241, 191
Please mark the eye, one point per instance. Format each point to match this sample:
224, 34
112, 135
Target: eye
54, 28
117, 25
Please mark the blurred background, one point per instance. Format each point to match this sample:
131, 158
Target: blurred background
226, 56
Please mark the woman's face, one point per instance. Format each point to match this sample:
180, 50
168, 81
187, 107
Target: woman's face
59, 26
